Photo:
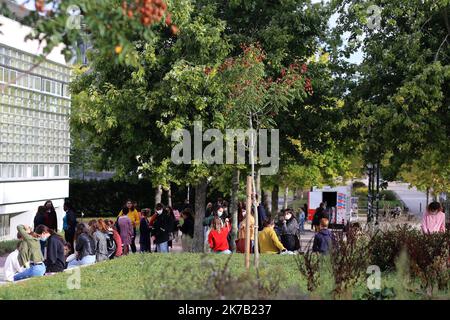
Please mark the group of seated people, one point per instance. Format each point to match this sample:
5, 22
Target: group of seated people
42, 251
282, 236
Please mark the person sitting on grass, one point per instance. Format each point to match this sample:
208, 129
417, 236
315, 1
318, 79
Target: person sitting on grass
116, 237
98, 233
434, 219
12, 263
218, 236
85, 247
55, 260
323, 239
268, 239
33, 252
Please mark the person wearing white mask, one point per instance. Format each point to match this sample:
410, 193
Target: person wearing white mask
290, 237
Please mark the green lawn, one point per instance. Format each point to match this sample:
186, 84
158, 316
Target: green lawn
185, 276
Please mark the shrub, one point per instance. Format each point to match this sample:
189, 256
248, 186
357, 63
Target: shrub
8, 246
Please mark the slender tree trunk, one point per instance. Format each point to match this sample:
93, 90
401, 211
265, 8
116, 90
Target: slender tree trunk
275, 191
247, 222
169, 197
267, 202
285, 200
158, 194
200, 208
234, 207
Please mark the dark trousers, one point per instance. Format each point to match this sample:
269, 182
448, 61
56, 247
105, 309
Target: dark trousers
69, 236
145, 246
133, 242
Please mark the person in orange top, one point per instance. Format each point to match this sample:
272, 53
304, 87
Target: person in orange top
134, 216
217, 237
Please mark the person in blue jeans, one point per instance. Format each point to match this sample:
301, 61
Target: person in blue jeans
85, 247
34, 262
162, 228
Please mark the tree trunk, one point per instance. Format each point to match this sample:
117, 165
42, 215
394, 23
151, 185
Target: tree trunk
169, 197
275, 191
200, 208
247, 221
285, 200
158, 194
234, 207
266, 202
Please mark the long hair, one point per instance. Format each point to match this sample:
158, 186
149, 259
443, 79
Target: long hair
102, 226
93, 226
41, 210
80, 229
52, 209
217, 224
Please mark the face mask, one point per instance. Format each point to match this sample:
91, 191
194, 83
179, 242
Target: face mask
244, 213
43, 239
287, 217
159, 211
219, 213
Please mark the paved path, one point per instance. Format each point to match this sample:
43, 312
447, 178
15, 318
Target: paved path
414, 199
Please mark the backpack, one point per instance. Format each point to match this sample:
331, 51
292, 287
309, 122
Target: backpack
110, 245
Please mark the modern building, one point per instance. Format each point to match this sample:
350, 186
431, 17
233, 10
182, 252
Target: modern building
34, 128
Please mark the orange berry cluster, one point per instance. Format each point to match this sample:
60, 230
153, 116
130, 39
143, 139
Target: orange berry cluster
149, 12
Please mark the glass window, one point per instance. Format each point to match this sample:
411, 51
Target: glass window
35, 170
4, 225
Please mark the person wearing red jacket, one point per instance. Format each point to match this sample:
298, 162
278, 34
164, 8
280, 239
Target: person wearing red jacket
217, 237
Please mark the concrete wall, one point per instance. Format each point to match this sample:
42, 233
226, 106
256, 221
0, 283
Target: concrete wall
21, 199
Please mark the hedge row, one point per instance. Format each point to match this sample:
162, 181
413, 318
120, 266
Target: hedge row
105, 198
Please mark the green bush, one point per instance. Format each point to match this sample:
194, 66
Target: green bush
7, 246
388, 195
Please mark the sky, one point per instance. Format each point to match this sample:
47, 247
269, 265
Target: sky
355, 58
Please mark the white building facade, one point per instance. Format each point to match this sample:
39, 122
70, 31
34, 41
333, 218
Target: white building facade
34, 128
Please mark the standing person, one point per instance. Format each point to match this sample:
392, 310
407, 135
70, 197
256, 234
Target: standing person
268, 240
173, 227
99, 234
162, 227
134, 216
39, 219
301, 218
289, 232
70, 223
434, 219
323, 239
50, 217
262, 215
218, 236
55, 261
125, 227
187, 230
144, 231
84, 247
35, 266
209, 210
317, 216
305, 210
116, 237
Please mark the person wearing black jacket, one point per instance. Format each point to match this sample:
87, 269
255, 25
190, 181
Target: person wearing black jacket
85, 247
70, 224
162, 227
144, 232
187, 228
55, 260
39, 219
